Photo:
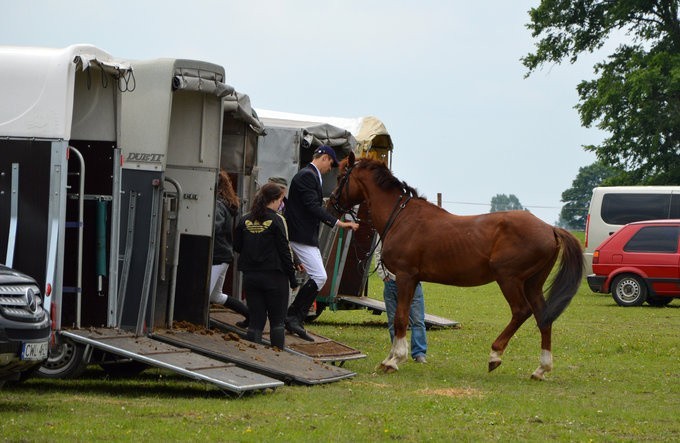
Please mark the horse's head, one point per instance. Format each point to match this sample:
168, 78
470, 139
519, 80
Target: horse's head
345, 195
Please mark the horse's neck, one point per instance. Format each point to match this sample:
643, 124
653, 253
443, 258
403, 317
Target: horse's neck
384, 206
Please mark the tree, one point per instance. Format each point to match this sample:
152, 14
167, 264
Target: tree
577, 198
636, 96
502, 202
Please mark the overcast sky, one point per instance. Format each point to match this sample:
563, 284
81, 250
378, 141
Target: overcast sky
444, 76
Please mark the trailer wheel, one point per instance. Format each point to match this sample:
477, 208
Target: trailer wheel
67, 360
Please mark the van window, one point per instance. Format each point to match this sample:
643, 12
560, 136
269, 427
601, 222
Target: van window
654, 239
621, 209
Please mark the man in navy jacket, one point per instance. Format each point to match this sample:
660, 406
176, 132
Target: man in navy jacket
304, 213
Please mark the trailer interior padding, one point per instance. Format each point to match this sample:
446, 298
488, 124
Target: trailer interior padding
33, 158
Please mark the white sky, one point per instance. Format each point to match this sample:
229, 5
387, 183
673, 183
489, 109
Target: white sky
444, 76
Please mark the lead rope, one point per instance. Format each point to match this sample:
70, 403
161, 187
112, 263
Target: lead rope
393, 216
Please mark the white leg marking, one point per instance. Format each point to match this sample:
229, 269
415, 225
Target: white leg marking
546, 365
495, 356
398, 354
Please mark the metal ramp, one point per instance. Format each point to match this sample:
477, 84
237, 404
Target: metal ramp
262, 359
177, 359
322, 349
378, 307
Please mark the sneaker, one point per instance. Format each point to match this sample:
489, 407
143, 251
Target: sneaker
420, 359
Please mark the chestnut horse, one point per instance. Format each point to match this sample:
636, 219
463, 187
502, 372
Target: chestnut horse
423, 242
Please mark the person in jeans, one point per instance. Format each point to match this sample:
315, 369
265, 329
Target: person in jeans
416, 316
265, 258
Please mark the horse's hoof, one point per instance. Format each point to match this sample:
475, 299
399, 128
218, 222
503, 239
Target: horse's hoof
537, 377
387, 369
494, 364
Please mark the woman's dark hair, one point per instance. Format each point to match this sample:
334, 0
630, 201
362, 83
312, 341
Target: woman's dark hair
267, 194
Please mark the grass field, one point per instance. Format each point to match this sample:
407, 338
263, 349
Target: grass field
616, 378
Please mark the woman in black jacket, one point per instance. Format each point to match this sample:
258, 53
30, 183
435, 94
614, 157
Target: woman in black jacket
261, 239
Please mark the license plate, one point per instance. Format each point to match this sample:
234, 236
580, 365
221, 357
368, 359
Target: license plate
34, 351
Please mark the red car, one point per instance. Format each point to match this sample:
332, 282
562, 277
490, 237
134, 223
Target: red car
639, 263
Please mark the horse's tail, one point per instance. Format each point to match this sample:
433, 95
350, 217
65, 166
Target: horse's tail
568, 278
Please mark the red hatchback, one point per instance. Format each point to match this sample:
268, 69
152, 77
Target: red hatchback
639, 262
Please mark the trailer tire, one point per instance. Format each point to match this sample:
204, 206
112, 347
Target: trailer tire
67, 360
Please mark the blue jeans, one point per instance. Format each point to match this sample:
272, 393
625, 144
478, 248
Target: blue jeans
416, 316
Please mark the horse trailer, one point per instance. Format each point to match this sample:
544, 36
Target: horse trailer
108, 178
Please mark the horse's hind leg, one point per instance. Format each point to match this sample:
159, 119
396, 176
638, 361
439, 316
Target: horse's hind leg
521, 310
534, 292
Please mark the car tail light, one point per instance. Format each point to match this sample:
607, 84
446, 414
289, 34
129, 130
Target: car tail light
596, 257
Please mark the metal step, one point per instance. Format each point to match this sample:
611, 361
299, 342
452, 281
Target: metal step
180, 360
228, 346
322, 349
378, 306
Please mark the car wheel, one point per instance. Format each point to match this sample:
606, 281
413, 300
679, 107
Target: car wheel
658, 301
66, 361
629, 290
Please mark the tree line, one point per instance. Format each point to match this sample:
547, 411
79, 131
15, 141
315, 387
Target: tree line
634, 97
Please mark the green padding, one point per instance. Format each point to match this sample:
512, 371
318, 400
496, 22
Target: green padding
101, 238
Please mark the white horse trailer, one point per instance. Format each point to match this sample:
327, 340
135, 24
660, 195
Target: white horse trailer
107, 194
81, 213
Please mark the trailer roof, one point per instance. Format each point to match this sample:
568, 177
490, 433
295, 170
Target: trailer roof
37, 87
368, 131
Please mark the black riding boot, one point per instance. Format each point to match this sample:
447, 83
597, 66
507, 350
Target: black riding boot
254, 336
277, 337
239, 307
297, 311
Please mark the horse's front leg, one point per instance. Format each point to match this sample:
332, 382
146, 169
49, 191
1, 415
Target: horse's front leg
399, 351
398, 354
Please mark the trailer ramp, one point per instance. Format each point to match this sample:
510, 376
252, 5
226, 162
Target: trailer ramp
378, 307
180, 360
322, 349
282, 365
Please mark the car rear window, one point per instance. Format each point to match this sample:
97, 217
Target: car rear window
654, 239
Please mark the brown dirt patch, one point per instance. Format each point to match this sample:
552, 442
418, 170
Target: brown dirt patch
452, 392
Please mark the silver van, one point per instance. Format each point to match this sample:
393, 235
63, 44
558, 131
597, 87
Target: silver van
614, 206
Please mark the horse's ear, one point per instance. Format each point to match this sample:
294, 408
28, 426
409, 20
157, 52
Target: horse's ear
350, 159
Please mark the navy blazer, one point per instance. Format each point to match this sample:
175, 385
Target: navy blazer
304, 208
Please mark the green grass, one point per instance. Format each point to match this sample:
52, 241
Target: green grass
616, 378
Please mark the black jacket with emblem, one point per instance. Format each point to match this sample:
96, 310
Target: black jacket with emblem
263, 246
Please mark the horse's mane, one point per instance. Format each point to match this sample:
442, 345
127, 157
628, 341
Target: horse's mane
384, 178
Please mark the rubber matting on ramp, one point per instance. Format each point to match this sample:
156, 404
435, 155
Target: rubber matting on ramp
322, 348
263, 359
177, 359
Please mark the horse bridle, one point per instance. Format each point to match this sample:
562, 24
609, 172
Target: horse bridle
403, 199
335, 201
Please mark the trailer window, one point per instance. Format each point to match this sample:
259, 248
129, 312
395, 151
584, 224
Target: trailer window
620, 209
654, 239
